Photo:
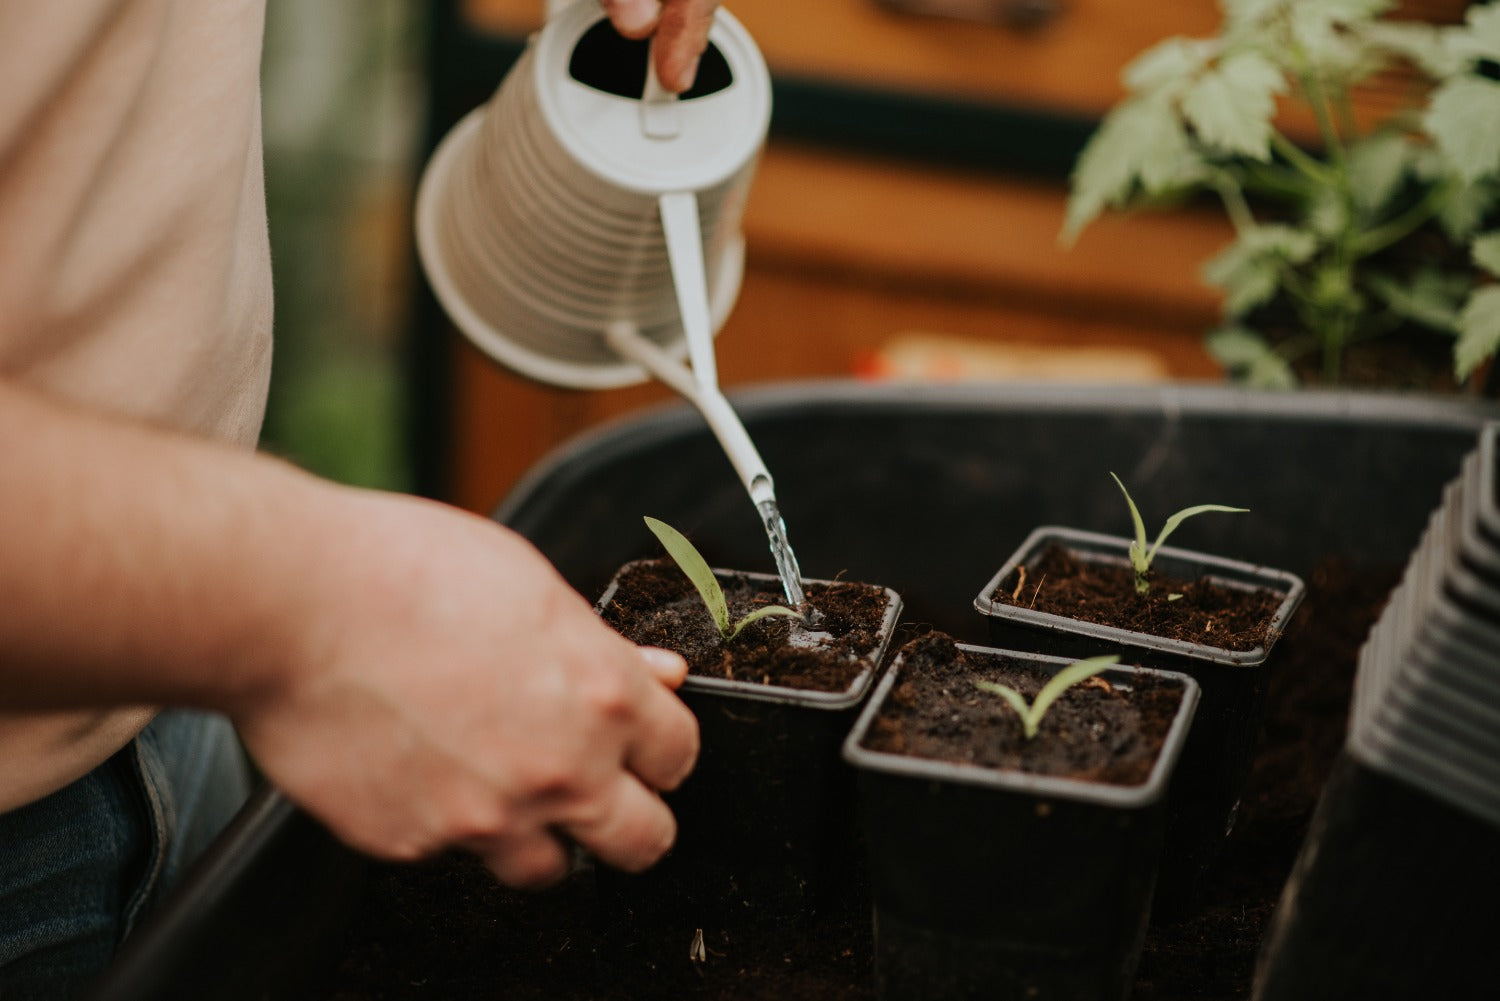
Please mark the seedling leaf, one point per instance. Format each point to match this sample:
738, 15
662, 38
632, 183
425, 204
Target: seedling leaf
761, 613
1183, 515
1031, 715
697, 569
1140, 555
1138, 547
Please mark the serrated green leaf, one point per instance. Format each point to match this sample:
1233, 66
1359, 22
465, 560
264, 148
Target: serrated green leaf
1461, 120
1479, 331
1321, 38
1377, 166
1236, 346
1479, 37
1249, 269
1430, 297
1486, 252
1141, 142
1230, 106
1468, 207
1423, 45
697, 570
1244, 13
1271, 371
1168, 64
1249, 358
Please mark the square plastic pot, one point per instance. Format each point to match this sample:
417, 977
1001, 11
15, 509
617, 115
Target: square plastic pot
1216, 763
1000, 884
765, 824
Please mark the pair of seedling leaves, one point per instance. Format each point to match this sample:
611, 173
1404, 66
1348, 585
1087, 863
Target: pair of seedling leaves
702, 577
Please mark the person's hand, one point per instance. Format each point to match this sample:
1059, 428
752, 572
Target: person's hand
446, 687
680, 28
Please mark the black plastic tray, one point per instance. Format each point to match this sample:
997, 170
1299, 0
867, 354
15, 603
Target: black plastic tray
923, 489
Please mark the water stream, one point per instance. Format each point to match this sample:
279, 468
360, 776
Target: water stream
781, 552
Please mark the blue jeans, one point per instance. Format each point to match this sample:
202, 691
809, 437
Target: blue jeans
80, 867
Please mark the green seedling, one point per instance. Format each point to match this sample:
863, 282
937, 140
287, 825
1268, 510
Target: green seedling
697, 569
1140, 554
1031, 715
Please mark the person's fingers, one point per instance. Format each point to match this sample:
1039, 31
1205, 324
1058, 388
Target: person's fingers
528, 862
681, 37
626, 825
633, 18
664, 747
665, 666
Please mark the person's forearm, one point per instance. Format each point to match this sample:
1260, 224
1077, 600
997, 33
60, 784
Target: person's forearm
138, 565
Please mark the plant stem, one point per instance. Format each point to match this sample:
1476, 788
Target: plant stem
1316, 170
1317, 99
1394, 230
1235, 205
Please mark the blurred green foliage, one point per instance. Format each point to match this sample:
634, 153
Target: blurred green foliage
342, 107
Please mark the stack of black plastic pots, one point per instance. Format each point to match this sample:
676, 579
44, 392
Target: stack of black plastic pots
1393, 895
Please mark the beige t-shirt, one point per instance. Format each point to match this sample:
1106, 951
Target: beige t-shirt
134, 264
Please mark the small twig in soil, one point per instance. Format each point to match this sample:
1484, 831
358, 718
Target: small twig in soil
1020, 583
1038, 591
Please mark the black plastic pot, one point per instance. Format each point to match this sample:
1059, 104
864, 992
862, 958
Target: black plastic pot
1216, 763
999, 885
916, 487
1392, 897
766, 821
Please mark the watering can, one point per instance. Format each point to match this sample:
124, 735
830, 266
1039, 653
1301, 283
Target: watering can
583, 227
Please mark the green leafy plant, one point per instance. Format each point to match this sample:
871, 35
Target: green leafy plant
1141, 555
697, 569
1031, 715
1319, 232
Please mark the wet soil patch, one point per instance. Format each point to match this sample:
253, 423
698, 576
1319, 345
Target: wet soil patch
1206, 611
656, 605
1096, 732
444, 929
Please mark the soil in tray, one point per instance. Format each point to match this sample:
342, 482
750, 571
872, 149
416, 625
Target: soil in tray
656, 605
1096, 732
443, 929
1230, 618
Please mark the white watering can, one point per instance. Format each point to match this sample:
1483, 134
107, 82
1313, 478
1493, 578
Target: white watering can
583, 227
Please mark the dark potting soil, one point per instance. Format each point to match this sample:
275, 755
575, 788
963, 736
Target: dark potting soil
1230, 618
656, 605
443, 929
1095, 732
